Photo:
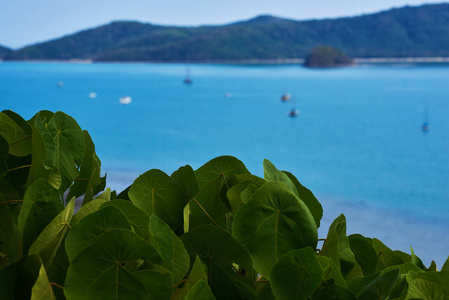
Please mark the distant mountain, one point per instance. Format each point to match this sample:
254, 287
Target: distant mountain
421, 31
4, 51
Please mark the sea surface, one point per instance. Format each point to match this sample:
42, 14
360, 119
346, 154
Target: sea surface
357, 143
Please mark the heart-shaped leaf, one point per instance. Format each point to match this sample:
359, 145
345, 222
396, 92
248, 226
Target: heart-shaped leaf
219, 251
211, 204
99, 271
155, 192
296, 275
272, 223
92, 227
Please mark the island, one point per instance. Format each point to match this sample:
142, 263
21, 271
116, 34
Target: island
324, 56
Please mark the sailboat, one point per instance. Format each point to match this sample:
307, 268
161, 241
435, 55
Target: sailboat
293, 112
425, 126
188, 79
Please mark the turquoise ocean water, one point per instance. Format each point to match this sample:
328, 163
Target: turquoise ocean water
357, 143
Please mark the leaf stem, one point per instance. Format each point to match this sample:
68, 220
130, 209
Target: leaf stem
21, 167
199, 205
22, 139
56, 285
261, 281
11, 201
178, 283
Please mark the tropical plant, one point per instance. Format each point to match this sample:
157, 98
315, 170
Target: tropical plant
218, 232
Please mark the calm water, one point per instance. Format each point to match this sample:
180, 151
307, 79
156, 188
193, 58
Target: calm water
357, 141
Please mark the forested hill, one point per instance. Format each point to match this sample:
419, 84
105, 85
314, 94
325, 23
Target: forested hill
421, 31
4, 51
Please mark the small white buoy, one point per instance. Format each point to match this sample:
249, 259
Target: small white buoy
125, 100
60, 84
92, 95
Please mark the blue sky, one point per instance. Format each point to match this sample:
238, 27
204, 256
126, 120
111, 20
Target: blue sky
24, 22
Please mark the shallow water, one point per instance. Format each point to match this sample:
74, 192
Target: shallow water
357, 143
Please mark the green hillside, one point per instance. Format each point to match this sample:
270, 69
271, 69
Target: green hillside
421, 31
4, 51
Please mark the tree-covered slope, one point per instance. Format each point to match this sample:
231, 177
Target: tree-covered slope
4, 51
403, 32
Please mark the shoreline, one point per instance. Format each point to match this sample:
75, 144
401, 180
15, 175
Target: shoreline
281, 61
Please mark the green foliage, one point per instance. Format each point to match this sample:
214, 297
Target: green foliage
405, 32
326, 57
4, 51
217, 232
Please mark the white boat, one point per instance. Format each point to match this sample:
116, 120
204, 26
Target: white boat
60, 84
125, 100
188, 79
92, 95
227, 95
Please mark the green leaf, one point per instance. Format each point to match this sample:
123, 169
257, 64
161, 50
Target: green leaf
380, 288
219, 251
385, 256
296, 275
87, 209
138, 219
272, 223
186, 178
405, 257
4, 153
155, 192
9, 235
335, 274
41, 143
196, 273
58, 270
49, 240
308, 198
16, 132
271, 173
158, 284
17, 280
357, 284
92, 227
234, 193
364, 253
98, 271
429, 285
240, 183
247, 194
7, 190
333, 292
42, 289
213, 179
69, 147
41, 204
57, 148
89, 182
265, 292
403, 269
172, 250
446, 265
336, 246
200, 291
